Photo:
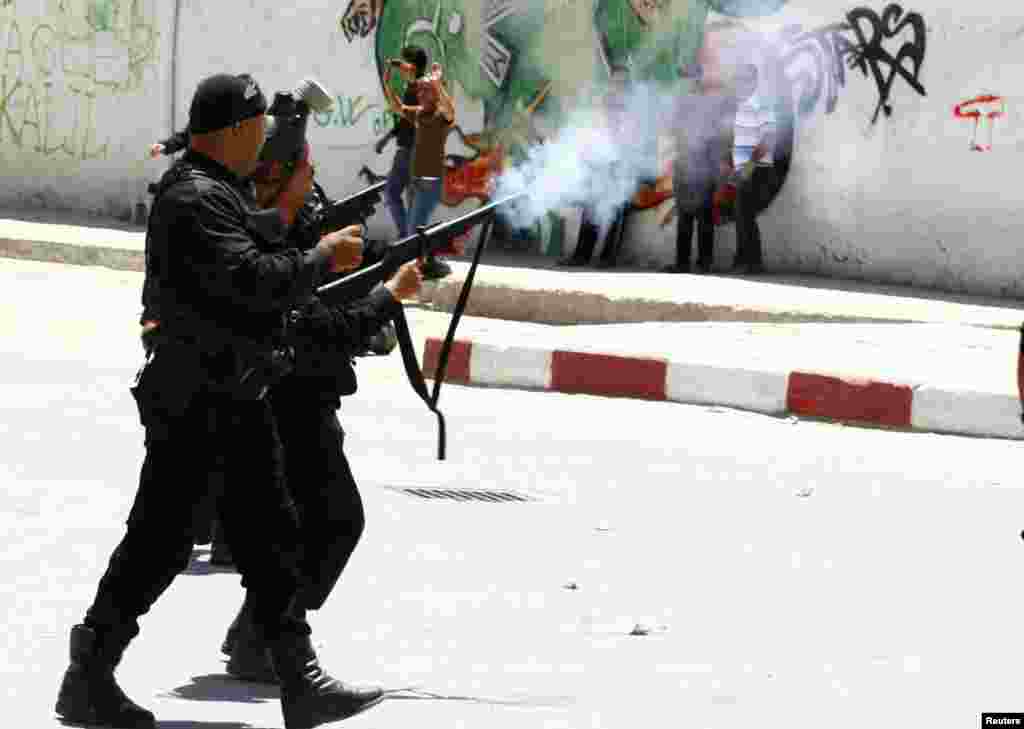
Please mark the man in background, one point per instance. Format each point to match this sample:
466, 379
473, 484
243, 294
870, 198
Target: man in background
433, 118
754, 166
703, 130
414, 65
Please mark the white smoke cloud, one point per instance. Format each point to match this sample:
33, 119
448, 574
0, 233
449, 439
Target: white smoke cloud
588, 163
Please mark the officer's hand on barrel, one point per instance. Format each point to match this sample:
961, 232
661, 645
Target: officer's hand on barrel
345, 247
406, 282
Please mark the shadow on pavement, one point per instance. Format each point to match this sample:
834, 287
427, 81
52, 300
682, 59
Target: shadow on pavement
179, 724
219, 687
535, 702
202, 725
198, 566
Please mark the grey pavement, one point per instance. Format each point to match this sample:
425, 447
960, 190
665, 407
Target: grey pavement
783, 573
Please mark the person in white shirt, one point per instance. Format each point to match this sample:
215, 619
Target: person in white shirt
753, 164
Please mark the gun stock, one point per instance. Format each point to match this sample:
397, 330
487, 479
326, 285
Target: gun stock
426, 240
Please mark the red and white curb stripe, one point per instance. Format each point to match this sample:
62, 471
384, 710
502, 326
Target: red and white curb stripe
809, 394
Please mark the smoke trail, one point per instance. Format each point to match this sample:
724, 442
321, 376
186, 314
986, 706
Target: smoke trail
597, 158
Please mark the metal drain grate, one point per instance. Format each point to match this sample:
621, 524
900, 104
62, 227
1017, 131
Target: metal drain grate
465, 495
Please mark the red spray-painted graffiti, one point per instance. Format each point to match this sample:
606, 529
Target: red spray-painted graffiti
984, 110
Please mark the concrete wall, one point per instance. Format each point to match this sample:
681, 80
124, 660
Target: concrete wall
913, 194
894, 191
83, 86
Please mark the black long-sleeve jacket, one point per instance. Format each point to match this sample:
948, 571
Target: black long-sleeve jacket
215, 266
326, 337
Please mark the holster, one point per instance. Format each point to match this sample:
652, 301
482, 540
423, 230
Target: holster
257, 371
165, 385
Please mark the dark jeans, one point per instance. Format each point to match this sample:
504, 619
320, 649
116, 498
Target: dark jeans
398, 180
589, 232
750, 193
259, 520
426, 195
705, 220
331, 515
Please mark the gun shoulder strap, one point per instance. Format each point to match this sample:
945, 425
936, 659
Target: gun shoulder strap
412, 366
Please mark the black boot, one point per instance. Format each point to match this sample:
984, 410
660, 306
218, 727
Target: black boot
89, 694
309, 697
250, 657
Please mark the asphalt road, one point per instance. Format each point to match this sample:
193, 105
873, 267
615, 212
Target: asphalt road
786, 573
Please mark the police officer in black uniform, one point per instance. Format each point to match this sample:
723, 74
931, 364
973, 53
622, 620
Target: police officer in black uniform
305, 405
219, 294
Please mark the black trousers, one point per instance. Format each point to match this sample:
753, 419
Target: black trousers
589, 232
751, 191
331, 515
704, 218
257, 514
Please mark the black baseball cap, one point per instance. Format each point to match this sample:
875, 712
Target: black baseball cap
222, 100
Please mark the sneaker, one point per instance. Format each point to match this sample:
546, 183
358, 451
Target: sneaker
435, 269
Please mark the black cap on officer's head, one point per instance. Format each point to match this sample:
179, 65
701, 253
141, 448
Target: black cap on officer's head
223, 100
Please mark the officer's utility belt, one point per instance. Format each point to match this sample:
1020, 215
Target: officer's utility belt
179, 367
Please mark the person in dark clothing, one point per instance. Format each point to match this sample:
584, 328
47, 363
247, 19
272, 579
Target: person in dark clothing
432, 116
415, 62
753, 166
616, 118
588, 235
703, 125
206, 529
305, 405
219, 303
413, 65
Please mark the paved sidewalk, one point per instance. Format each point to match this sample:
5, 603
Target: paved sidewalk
531, 288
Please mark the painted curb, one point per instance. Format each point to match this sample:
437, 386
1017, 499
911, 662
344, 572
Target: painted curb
119, 259
816, 395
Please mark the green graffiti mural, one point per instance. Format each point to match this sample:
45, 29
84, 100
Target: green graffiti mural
525, 62
100, 15
503, 53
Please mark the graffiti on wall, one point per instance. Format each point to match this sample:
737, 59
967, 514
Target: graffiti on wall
508, 56
347, 112
871, 53
983, 111
59, 66
816, 61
